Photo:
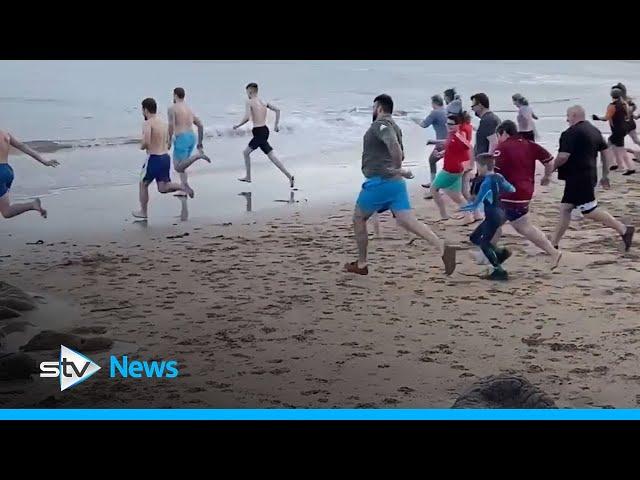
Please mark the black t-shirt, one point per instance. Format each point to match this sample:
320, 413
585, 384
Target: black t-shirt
488, 124
582, 142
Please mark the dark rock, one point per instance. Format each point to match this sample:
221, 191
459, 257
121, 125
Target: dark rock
504, 391
17, 366
50, 340
15, 299
96, 330
6, 313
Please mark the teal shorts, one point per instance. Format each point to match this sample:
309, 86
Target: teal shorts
183, 145
448, 181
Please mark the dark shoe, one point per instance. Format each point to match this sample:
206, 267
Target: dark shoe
613, 167
354, 268
497, 275
627, 238
629, 172
503, 255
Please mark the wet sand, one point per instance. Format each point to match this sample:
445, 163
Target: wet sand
259, 314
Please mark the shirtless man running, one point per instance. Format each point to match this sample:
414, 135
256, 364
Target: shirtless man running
7, 209
155, 140
256, 111
181, 120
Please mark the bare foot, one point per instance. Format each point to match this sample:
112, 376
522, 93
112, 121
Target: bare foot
247, 180
556, 260
139, 214
37, 204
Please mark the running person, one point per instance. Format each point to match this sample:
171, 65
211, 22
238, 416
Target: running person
386, 189
493, 185
577, 166
7, 209
155, 140
631, 124
456, 154
516, 159
181, 119
486, 141
453, 101
437, 119
525, 117
618, 117
256, 111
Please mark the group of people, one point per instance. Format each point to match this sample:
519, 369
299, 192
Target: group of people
493, 180
158, 137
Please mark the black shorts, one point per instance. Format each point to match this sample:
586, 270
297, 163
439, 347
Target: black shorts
631, 125
617, 137
260, 139
513, 212
530, 135
581, 193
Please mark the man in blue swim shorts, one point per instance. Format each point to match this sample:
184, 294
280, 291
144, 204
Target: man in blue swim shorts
181, 121
386, 189
7, 209
155, 140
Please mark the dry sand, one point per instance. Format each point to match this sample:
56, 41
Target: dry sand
261, 315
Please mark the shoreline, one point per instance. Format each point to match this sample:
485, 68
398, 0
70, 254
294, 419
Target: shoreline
261, 315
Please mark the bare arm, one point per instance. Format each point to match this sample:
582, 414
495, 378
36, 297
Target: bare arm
245, 119
200, 126
171, 120
15, 143
560, 160
271, 106
605, 160
493, 142
146, 137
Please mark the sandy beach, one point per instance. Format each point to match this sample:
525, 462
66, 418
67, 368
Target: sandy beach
259, 313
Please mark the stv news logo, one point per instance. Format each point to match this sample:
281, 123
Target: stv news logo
74, 368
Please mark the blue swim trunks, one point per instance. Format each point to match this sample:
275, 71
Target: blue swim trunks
183, 145
6, 178
379, 194
156, 168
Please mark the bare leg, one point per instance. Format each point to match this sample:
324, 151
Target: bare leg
362, 237
168, 187
622, 159
376, 223
9, 211
563, 223
247, 165
435, 193
634, 137
605, 218
466, 185
433, 162
532, 233
144, 201
184, 164
459, 199
407, 220
277, 163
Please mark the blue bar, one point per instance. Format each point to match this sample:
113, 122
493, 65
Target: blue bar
317, 414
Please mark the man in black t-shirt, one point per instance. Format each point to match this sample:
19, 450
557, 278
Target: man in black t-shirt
577, 166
